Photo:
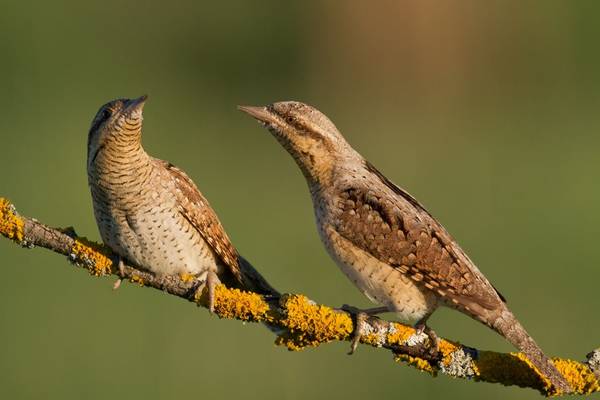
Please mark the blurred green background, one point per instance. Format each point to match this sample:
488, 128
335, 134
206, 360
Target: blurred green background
486, 111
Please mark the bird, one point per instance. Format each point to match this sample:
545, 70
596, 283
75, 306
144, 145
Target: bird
383, 239
150, 213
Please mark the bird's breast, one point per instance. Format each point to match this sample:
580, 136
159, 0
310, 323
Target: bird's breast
143, 223
379, 281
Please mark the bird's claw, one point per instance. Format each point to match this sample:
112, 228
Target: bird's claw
211, 282
121, 266
360, 319
434, 341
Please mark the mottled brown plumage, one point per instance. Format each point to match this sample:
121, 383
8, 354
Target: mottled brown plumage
151, 213
382, 238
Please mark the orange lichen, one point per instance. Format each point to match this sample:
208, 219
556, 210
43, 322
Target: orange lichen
92, 256
238, 304
11, 225
310, 324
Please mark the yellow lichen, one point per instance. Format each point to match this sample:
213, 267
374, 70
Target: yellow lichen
238, 304
135, 278
579, 376
510, 369
310, 324
11, 225
418, 363
187, 278
91, 256
400, 335
372, 339
446, 348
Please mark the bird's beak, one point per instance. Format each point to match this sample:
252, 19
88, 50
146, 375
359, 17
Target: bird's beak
262, 114
136, 104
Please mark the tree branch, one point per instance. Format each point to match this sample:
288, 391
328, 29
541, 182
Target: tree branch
300, 323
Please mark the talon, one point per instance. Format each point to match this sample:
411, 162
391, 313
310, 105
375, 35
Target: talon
360, 317
434, 341
359, 330
121, 266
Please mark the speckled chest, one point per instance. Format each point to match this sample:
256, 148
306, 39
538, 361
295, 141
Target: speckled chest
380, 282
138, 218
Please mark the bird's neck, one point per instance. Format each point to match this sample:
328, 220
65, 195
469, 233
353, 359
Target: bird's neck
325, 171
122, 155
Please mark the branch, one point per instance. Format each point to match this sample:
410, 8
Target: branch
300, 323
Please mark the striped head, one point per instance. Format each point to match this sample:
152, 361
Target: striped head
307, 134
117, 121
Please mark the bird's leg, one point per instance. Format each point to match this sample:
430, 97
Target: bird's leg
422, 327
360, 317
117, 283
211, 281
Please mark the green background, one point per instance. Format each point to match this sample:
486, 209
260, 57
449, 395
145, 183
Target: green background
486, 111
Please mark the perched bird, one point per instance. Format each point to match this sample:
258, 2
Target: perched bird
389, 246
150, 213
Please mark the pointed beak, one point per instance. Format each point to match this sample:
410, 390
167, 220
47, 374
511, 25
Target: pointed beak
262, 114
136, 104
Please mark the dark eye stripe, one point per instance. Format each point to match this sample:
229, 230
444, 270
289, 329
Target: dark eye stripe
300, 127
100, 118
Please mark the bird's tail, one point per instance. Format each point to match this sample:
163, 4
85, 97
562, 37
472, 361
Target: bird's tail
254, 281
508, 326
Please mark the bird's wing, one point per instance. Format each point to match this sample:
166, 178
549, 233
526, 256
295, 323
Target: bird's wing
194, 207
396, 229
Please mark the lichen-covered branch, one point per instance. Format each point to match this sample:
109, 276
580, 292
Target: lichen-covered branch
300, 323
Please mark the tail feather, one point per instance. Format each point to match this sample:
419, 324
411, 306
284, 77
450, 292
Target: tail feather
254, 281
508, 326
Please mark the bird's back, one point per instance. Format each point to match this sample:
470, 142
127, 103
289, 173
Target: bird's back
384, 221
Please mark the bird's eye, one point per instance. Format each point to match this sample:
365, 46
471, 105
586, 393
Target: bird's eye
289, 119
105, 115
100, 119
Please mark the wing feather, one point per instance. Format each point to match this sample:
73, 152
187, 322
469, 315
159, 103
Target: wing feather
194, 207
396, 229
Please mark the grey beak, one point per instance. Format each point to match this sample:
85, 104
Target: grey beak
136, 104
260, 113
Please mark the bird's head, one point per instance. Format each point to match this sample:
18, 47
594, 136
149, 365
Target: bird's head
120, 120
306, 133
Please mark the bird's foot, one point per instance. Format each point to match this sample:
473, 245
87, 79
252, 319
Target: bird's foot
360, 318
117, 283
211, 282
434, 341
